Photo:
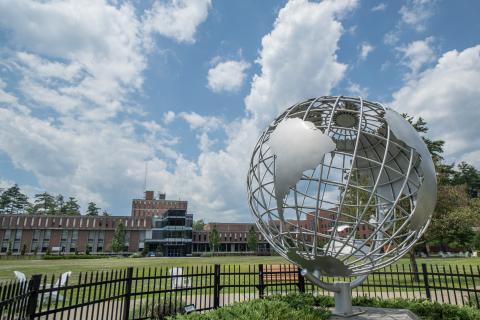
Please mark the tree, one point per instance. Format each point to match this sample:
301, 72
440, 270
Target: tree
467, 174
72, 208
118, 241
105, 213
24, 249
9, 249
60, 207
35, 250
213, 238
44, 203
198, 225
252, 240
13, 201
144, 250
92, 209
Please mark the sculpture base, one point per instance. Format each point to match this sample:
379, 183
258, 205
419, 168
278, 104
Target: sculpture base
366, 313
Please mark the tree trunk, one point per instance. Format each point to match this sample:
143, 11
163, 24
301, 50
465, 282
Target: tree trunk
413, 263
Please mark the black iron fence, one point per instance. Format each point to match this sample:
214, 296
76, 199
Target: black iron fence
155, 292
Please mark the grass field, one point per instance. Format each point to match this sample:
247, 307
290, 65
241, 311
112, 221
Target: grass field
30, 267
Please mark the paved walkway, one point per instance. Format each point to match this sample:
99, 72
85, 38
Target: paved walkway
377, 313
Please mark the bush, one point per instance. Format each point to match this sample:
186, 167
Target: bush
307, 306
74, 256
267, 309
168, 306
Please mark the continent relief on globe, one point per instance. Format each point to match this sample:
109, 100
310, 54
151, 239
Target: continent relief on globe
298, 146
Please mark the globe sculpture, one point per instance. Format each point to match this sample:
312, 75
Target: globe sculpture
341, 187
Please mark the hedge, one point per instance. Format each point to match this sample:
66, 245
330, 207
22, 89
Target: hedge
307, 306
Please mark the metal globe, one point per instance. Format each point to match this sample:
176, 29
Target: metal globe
341, 186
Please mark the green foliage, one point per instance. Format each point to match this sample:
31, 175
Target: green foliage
24, 249
214, 238
144, 251
281, 308
424, 309
72, 208
9, 249
198, 225
118, 241
92, 209
74, 257
168, 306
49, 252
13, 201
252, 239
44, 203
476, 241
35, 250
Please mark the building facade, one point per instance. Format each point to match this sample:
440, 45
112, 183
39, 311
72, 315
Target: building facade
161, 226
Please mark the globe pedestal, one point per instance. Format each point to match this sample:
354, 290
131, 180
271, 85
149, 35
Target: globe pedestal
343, 300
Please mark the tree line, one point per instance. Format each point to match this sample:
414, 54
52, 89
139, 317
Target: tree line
458, 207
14, 201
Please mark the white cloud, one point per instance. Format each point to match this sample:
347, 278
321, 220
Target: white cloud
296, 60
447, 96
365, 50
413, 14
168, 117
204, 123
76, 64
355, 89
227, 76
215, 182
177, 19
380, 7
418, 54
416, 13
87, 151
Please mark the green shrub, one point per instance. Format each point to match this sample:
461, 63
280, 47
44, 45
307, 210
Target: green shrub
307, 306
74, 256
267, 309
167, 306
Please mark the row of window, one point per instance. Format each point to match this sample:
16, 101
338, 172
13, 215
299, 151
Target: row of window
69, 222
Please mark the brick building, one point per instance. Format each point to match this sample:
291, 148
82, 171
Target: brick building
161, 225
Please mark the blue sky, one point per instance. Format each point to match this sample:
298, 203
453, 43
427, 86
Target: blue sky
91, 90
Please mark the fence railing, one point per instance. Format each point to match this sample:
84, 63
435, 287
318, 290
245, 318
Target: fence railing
155, 292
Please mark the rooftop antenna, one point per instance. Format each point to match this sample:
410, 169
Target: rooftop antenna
145, 179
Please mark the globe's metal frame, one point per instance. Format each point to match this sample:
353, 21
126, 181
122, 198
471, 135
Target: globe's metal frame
375, 144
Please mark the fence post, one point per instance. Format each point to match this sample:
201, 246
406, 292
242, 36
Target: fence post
128, 292
301, 281
216, 287
425, 281
33, 287
261, 284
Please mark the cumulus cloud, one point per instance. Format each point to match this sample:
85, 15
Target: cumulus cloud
296, 60
95, 143
417, 54
365, 50
177, 19
227, 76
76, 64
447, 96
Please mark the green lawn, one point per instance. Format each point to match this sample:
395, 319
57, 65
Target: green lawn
49, 267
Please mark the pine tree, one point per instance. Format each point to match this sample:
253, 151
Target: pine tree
13, 201
44, 203
72, 208
118, 241
60, 207
92, 209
